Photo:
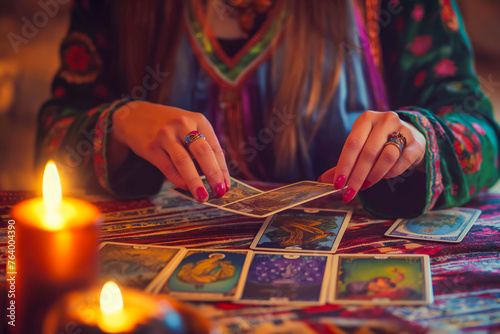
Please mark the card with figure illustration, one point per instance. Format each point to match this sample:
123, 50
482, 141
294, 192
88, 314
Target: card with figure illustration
287, 278
207, 274
450, 225
276, 200
381, 280
303, 230
238, 191
135, 265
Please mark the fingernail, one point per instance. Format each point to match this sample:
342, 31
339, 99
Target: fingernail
201, 193
366, 184
227, 185
340, 182
348, 195
219, 190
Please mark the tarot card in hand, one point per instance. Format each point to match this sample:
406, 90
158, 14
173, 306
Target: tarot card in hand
381, 280
303, 230
207, 274
287, 278
136, 266
276, 200
450, 225
238, 191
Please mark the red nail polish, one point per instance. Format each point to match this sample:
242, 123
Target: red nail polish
366, 184
227, 185
219, 190
340, 182
201, 193
348, 195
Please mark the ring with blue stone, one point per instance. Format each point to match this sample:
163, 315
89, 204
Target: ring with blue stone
397, 139
191, 137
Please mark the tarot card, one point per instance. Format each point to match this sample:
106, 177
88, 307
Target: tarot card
287, 278
450, 225
207, 274
238, 191
381, 279
303, 230
276, 200
134, 265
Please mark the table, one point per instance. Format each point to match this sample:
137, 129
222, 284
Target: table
465, 276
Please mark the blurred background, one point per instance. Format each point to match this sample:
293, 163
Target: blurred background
25, 75
25, 79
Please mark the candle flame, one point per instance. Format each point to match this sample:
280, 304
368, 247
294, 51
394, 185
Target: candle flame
52, 194
52, 198
111, 300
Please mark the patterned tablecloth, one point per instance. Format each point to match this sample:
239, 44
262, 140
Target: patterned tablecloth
465, 276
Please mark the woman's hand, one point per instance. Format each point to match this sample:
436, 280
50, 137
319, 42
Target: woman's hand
365, 159
156, 133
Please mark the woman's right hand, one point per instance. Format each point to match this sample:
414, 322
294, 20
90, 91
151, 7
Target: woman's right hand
156, 133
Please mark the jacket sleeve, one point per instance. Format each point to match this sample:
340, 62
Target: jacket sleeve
431, 83
75, 124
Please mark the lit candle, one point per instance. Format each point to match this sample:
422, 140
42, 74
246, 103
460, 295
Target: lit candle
57, 240
113, 310
113, 318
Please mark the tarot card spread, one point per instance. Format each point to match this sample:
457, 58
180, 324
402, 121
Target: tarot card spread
381, 279
303, 230
207, 274
450, 225
291, 279
136, 266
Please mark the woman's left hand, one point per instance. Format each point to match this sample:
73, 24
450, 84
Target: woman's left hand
365, 159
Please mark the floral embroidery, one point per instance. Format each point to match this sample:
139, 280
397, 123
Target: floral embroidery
81, 61
478, 128
93, 111
100, 166
77, 58
102, 129
55, 136
418, 13
445, 68
421, 45
467, 148
472, 190
434, 175
420, 78
47, 118
449, 16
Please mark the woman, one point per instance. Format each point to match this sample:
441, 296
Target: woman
286, 86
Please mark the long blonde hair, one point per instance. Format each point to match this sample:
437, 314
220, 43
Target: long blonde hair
312, 27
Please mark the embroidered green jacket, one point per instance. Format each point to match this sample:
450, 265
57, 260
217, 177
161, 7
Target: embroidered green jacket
428, 74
